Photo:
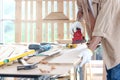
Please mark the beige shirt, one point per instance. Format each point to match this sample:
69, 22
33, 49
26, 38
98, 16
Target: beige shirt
108, 26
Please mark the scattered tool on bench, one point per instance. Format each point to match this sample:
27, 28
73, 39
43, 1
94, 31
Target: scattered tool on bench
42, 47
71, 45
26, 66
15, 57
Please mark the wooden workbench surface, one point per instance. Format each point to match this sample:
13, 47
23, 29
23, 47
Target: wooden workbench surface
56, 65
57, 70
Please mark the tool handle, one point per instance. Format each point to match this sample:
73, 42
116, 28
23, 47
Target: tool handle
20, 67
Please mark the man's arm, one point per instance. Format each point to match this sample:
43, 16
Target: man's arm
93, 43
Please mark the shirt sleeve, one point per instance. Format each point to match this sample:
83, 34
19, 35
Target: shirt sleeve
103, 20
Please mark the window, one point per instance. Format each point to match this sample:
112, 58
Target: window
7, 17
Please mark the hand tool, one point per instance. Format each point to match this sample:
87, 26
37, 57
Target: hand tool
40, 47
26, 66
71, 45
15, 57
78, 37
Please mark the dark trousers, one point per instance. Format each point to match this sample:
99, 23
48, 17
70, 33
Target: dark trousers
114, 73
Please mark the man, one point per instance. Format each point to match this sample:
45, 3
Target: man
107, 31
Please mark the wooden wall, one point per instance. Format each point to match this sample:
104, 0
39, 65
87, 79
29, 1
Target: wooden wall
31, 26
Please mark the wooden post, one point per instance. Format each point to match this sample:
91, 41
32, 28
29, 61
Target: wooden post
38, 20
73, 9
53, 32
60, 24
68, 15
26, 23
52, 24
52, 5
31, 24
46, 13
18, 21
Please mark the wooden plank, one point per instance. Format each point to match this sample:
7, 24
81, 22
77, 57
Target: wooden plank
76, 10
53, 32
46, 13
73, 9
7, 53
52, 5
36, 59
46, 7
60, 5
26, 18
69, 56
2, 50
31, 32
43, 33
31, 24
60, 30
18, 21
60, 25
47, 33
67, 21
68, 14
56, 16
39, 20
31, 9
68, 30
59, 70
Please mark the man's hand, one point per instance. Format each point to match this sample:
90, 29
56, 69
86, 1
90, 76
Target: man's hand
86, 55
74, 27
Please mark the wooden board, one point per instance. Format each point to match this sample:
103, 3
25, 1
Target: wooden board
12, 70
54, 50
10, 53
36, 59
69, 56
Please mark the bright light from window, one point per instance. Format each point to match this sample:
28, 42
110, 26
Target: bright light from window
8, 9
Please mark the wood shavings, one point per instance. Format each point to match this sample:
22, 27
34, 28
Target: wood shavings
44, 71
53, 67
47, 70
43, 62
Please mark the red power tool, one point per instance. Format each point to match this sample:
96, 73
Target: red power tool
78, 37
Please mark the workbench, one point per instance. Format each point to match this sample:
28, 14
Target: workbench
63, 63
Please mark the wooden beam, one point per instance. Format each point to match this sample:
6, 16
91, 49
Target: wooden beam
46, 7
68, 13
60, 5
26, 18
31, 24
52, 30
68, 30
38, 20
73, 9
52, 5
18, 21
60, 25
46, 13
